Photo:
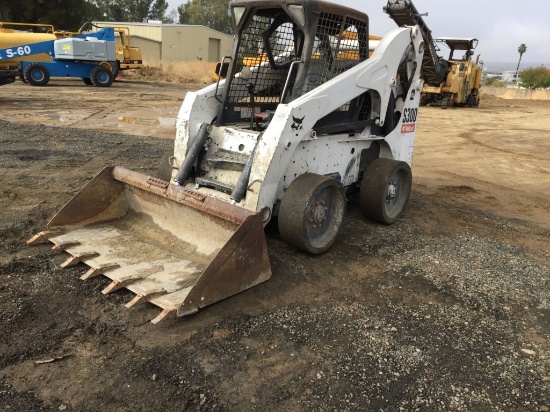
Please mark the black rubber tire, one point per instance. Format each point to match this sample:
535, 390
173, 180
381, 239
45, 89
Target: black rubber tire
101, 76
115, 70
312, 212
113, 66
385, 190
164, 171
87, 81
36, 74
22, 78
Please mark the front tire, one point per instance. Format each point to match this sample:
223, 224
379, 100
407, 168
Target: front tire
385, 190
312, 212
101, 76
36, 74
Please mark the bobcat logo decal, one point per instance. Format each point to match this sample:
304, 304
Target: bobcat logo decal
297, 123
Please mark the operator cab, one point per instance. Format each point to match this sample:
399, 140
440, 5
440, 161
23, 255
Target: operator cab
465, 46
284, 50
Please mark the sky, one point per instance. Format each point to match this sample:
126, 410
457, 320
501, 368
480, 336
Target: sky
500, 26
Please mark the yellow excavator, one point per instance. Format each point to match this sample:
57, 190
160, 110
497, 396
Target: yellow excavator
288, 137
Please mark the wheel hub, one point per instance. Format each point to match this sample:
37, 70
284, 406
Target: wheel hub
318, 214
392, 190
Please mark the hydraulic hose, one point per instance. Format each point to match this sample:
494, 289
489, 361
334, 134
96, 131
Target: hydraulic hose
192, 154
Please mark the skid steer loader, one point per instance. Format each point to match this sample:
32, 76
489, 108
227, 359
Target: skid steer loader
287, 137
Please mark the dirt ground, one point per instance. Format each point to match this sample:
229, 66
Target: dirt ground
446, 310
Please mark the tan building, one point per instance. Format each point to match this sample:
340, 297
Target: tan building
176, 42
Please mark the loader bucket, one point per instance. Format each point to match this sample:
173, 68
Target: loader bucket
172, 247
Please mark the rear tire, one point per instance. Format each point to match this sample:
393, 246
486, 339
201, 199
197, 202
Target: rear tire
36, 74
101, 76
385, 190
116, 70
113, 67
311, 212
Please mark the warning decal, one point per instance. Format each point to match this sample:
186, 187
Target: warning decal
408, 128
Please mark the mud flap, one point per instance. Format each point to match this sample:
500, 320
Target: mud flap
173, 247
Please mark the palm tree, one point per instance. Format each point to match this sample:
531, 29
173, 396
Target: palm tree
521, 49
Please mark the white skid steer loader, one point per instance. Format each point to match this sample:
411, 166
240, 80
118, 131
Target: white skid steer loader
312, 119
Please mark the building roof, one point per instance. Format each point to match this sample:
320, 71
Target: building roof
154, 23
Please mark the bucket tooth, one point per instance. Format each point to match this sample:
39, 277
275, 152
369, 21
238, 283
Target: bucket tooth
77, 258
99, 270
43, 235
172, 301
166, 289
120, 281
114, 286
166, 313
126, 275
171, 278
142, 298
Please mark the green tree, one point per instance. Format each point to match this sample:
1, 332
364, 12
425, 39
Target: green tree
492, 81
62, 14
535, 78
172, 17
209, 13
130, 10
521, 50
158, 9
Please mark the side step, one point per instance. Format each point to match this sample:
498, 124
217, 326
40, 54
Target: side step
227, 159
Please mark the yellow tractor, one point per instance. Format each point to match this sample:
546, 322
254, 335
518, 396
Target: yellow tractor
127, 57
463, 79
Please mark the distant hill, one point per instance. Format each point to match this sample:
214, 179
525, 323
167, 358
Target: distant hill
499, 67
